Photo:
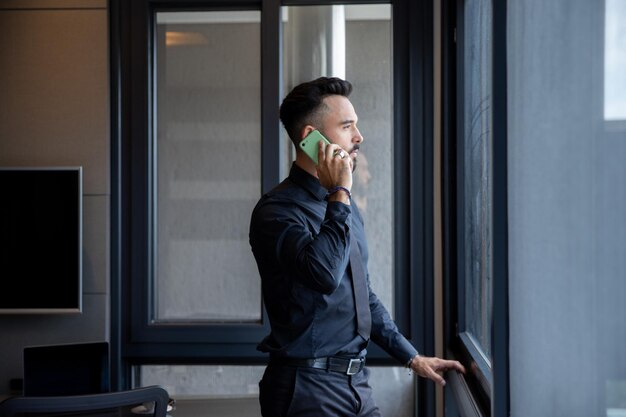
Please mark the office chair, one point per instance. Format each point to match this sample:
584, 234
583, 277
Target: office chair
121, 403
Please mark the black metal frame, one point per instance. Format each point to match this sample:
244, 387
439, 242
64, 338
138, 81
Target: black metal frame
500, 399
485, 388
134, 339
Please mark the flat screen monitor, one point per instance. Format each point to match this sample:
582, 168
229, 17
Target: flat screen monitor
68, 369
41, 240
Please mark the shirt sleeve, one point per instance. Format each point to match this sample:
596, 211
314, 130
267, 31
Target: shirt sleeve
385, 333
315, 258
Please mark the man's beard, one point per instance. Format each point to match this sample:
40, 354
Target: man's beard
356, 158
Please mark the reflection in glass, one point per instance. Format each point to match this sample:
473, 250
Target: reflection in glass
208, 165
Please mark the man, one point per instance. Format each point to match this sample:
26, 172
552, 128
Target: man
308, 240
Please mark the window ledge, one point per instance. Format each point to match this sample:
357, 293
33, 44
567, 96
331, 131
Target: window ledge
467, 405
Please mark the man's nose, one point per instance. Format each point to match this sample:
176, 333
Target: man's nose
358, 138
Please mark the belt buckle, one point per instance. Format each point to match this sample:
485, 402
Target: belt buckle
354, 366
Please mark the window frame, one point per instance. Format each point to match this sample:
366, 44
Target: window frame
136, 341
484, 390
142, 341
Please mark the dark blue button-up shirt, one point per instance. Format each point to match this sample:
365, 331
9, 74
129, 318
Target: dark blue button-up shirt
301, 244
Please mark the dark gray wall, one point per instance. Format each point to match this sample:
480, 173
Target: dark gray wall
567, 229
54, 111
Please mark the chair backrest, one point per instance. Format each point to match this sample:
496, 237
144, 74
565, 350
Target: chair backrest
151, 401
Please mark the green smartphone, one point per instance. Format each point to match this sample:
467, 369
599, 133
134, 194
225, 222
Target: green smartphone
309, 144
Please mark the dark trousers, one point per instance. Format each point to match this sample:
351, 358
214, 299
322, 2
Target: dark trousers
287, 391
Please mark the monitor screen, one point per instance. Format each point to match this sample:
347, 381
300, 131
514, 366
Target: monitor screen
70, 369
41, 240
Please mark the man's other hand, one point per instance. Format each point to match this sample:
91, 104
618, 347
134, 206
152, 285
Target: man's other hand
434, 368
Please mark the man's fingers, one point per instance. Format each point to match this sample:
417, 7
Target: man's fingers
453, 365
434, 368
322, 150
436, 377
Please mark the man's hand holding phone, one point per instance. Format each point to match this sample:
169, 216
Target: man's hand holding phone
334, 165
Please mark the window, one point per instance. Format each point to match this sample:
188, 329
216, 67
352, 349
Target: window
207, 166
475, 202
354, 42
199, 140
232, 390
475, 184
474, 137
615, 60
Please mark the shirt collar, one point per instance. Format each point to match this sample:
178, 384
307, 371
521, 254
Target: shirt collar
307, 181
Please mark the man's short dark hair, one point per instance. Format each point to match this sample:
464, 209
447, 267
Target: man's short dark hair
303, 105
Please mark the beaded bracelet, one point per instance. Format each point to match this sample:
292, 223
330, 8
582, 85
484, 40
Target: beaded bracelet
338, 188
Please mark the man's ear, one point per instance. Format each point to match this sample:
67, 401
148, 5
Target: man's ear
305, 131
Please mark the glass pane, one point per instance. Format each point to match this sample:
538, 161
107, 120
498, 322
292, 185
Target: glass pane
354, 43
477, 170
615, 61
393, 390
616, 398
208, 165
233, 391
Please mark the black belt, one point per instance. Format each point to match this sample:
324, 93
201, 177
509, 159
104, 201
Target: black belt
332, 363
